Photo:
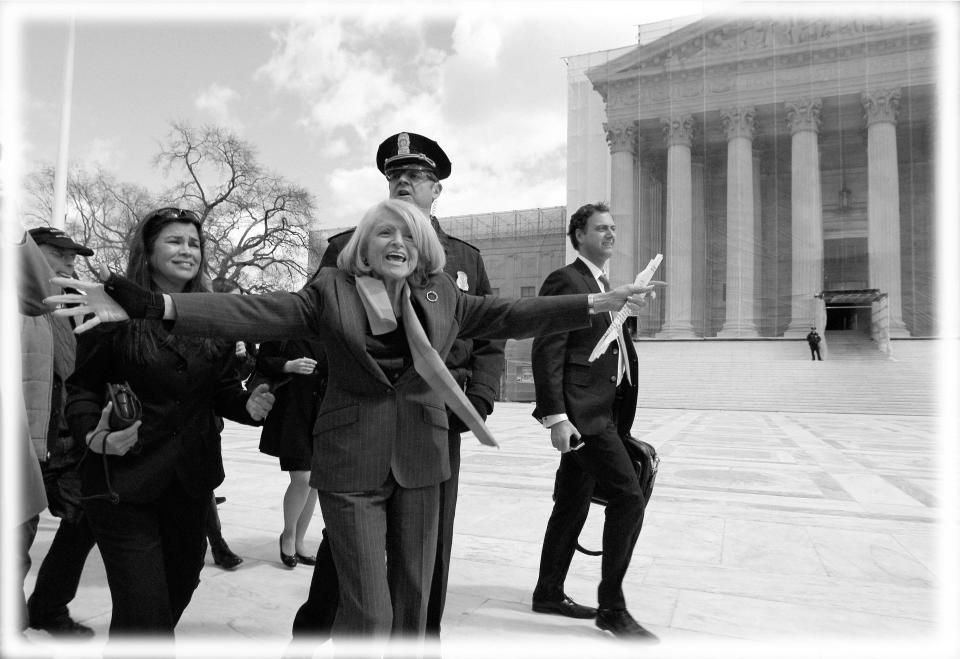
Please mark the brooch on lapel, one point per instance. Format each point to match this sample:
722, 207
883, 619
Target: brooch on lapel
432, 296
462, 281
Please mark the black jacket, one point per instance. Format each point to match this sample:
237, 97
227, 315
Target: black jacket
288, 429
564, 378
183, 394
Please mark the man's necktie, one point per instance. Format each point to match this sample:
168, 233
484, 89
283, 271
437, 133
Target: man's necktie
624, 368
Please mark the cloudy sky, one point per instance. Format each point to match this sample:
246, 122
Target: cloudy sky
315, 87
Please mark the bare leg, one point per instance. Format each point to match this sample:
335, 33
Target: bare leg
303, 522
294, 501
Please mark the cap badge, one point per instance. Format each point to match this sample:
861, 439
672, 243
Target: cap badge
403, 144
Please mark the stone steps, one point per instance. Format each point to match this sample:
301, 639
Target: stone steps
854, 378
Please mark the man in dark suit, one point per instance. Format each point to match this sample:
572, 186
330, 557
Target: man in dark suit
588, 407
414, 165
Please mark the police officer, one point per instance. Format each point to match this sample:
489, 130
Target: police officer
414, 165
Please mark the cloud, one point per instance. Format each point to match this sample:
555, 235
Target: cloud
218, 100
478, 40
491, 89
102, 151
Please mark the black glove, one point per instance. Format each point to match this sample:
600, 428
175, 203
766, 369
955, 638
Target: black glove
137, 301
483, 409
482, 406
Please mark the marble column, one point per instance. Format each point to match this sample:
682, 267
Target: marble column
883, 201
622, 139
740, 321
701, 307
651, 239
806, 210
677, 261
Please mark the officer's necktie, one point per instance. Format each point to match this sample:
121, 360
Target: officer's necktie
624, 366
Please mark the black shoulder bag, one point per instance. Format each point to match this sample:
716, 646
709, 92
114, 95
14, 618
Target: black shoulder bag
126, 411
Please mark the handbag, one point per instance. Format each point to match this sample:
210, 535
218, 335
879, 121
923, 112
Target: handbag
126, 411
126, 408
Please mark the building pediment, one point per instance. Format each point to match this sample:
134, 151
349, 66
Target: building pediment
713, 41
728, 56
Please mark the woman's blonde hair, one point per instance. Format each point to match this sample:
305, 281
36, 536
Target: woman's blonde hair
431, 258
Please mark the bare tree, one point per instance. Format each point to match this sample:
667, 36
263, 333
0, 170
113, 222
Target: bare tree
102, 212
256, 222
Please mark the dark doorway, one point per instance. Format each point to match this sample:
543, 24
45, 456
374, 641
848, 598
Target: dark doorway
848, 317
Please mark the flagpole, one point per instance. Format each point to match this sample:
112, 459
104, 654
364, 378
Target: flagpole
63, 147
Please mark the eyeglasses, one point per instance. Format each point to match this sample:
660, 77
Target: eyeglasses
176, 214
413, 175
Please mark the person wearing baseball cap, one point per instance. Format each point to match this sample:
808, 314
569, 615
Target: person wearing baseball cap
414, 165
59, 249
48, 352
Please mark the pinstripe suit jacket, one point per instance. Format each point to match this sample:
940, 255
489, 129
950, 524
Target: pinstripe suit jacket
368, 426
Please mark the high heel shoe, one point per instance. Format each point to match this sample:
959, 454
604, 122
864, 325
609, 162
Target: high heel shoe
306, 560
287, 559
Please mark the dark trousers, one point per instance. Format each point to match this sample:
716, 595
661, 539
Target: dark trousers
213, 531
59, 575
380, 599
815, 352
603, 459
153, 553
26, 534
315, 616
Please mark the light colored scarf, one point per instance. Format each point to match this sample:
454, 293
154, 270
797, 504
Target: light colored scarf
426, 361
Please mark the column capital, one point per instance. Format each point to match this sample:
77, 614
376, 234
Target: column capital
803, 114
881, 106
678, 129
739, 122
621, 136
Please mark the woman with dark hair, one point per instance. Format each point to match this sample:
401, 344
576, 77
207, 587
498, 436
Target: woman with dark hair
386, 316
297, 371
147, 488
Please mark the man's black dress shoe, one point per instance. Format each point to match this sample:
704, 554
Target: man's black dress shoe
62, 625
620, 623
564, 607
287, 559
306, 560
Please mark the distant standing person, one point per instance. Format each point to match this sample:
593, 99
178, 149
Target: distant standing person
813, 339
297, 371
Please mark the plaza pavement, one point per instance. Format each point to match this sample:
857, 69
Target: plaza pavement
768, 534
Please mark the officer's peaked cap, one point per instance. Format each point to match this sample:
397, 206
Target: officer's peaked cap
412, 149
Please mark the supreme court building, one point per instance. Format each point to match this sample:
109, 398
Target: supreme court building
784, 168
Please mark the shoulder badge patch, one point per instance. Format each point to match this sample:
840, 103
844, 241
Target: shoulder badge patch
462, 282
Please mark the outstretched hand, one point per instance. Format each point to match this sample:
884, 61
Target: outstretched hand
125, 300
635, 296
